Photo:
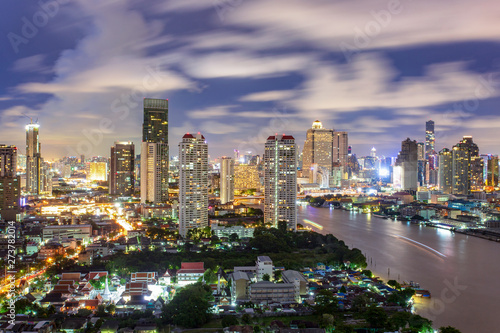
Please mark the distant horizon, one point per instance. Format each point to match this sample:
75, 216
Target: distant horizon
237, 72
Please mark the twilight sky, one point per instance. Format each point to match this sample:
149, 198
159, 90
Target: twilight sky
240, 70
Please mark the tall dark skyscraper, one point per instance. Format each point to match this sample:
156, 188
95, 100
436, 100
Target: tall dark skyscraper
154, 151
430, 139
122, 167
9, 183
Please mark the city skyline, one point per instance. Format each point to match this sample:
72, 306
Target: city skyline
84, 77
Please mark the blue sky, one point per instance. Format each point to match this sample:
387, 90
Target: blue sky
240, 70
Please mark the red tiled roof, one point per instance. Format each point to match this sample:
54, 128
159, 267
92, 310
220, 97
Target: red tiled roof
188, 136
192, 265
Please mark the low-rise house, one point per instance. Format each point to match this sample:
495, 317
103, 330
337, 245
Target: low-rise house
190, 272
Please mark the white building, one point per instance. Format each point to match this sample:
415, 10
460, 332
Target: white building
81, 232
154, 174
264, 265
280, 181
225, 231
193, 183
226, 180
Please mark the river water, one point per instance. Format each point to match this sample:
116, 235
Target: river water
461, 272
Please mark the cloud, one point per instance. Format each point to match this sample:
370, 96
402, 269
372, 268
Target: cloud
371, 24
32, 64
241, 64
371, 82
210, 112
268, 96
216, 127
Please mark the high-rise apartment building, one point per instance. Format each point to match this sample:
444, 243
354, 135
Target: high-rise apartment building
408, 161
445, 172
280, 181
467, 167
430, 139
226, 187
9, 183
193, 183
122, 169
33, 159
323, 147
154, 151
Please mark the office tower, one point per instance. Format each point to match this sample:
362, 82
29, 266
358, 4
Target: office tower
373, 152
33, 159
408, 161
246, 177
226, 187
97, 171
430, 139
122, 169
280, 181
154, 151
445, 171
9, 183
193, 183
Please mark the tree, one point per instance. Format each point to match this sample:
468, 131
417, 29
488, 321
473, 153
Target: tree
399, 319
234, 237
266, 277
246, 319
190, 307
448, 329
326, 302
394, 284
376, 317
229, 321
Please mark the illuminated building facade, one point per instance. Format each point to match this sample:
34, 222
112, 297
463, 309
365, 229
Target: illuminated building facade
280, 181
226, 187
193, 183
9, 183
122, 169
430, 139
97, 171
322, 148
154, 152
246, 177
408, 161
33, 159
445, 172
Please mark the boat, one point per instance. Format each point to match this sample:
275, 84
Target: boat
381, 216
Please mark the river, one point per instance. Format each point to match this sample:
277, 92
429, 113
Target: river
461, 272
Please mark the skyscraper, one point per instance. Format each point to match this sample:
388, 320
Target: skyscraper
9, 183
323, 147
154, 151
430, 139
445, 172
193, 183
226, 187
33, 159
467, 167
122, 169
408, 161
280, 181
